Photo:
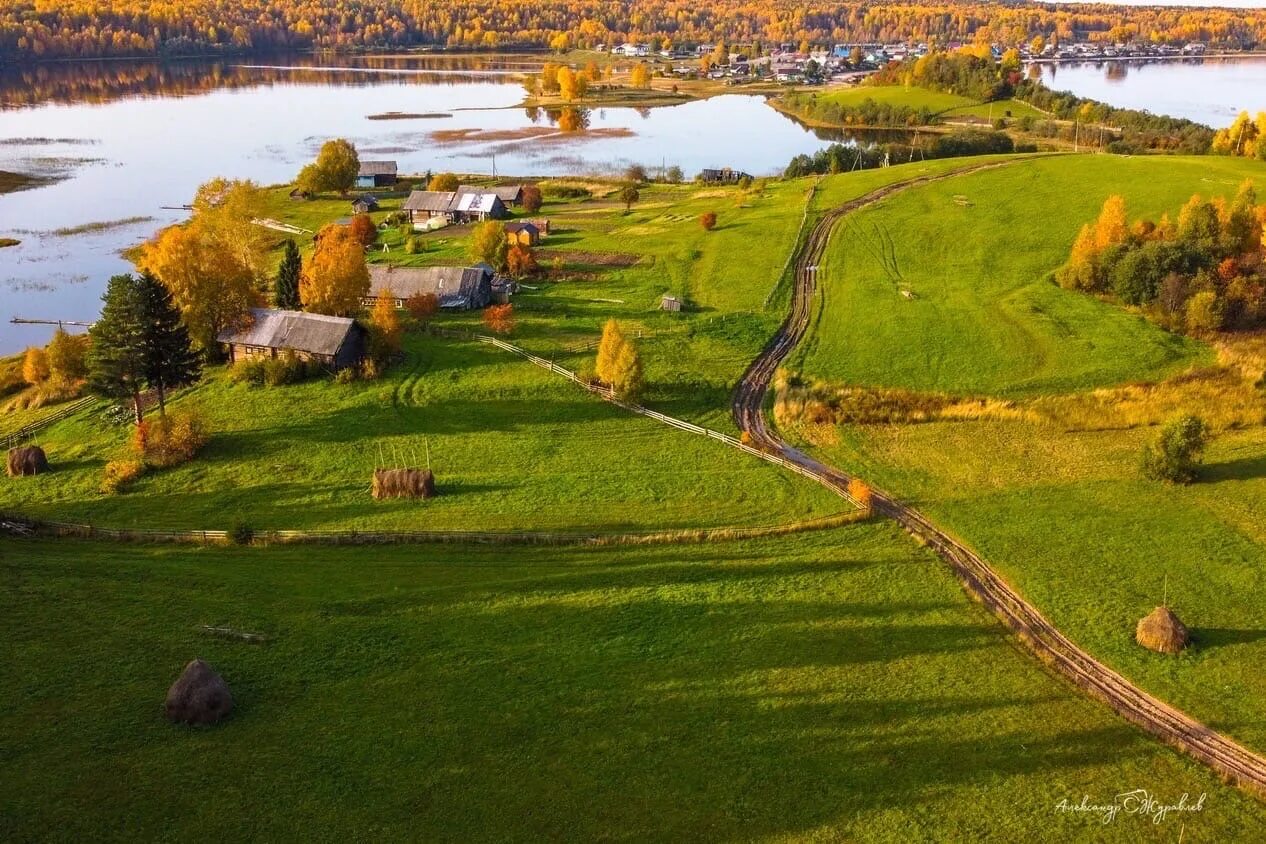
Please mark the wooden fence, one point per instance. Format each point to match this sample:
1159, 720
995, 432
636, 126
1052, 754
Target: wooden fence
25, 433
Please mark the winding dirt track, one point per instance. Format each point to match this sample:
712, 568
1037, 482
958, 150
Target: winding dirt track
1037, 634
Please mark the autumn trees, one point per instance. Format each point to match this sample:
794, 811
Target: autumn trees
336, 279
640, 76
499, 319
1246, 137
213, 264
488, 245
445, 182
531, 199
1202, 273
619, 364
335, 169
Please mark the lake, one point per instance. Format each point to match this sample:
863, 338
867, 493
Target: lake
1209, 91
132, 141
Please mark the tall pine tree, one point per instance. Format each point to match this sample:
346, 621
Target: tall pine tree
169, 357
117, 357
286, 287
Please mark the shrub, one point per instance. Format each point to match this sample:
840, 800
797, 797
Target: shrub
347, 375
422, 306
248, 371
499, 319
532, 199
708, 220
414, 245
370, 369
860, 492
287, 369
520, 261
170, 440
363, 229
119, 474
241, 533
1204, 312
35, 366
1175, 456
444, 182
562, 191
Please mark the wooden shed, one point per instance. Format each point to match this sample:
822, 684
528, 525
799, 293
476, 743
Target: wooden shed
334, 342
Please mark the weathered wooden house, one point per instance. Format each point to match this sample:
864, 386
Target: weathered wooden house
522, 233
376, 174
333, 342
458, 288
459, 206
509, 194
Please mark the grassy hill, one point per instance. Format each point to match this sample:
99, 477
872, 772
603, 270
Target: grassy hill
1059, 508
817, 687
945, 287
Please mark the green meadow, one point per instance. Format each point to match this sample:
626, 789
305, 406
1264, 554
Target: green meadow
831, 686
513, 447
946, 286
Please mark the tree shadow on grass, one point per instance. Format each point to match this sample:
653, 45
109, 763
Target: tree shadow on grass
1215, 637
1243, 469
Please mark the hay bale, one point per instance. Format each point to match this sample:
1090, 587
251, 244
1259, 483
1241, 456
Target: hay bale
1161, 631
199, 696
27, 460
404, 483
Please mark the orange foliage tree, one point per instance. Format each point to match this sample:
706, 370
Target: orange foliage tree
336, 279
499, 319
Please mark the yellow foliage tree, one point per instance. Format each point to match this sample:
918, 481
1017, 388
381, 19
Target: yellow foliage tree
447, 182
618, 362
386, 324
336, 279
571, 85
1112, 227
35, 366
641, 75
67, 357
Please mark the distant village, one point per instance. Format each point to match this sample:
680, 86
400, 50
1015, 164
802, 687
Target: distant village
792, 63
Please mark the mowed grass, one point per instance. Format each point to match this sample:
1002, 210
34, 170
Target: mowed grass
829, 686
946, 286
1006, 109
513, 447
1068, 520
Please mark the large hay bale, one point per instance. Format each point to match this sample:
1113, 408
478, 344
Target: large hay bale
199, 696
1161, 631
27, 460
404, 483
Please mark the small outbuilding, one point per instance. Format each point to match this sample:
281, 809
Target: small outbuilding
522, 233
670, 303
722, 176
334, 342
365, 204
1161, 631
376, 174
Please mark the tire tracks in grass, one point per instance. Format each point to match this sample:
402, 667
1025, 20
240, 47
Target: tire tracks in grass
1220, 753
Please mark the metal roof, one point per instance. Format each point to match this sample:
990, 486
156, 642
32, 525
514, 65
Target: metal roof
275, 329
377, 168
455, 287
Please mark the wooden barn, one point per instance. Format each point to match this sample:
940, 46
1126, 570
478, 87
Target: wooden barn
465, 205
334, 342
376, 174
457, 288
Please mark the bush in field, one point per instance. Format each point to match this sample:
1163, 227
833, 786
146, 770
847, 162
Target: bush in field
708, 220
119, 474
414, 245
422, 306
1175, 455
170, 440
248, 371
521, 261
363, 229
35, 366
499, 319
531, 199
860, 492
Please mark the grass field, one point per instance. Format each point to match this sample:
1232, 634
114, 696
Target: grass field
974, 254
897, 95
1062, 514
513, 447
831, 686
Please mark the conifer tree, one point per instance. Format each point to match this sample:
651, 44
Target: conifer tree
286, 285
116, 358
169, 357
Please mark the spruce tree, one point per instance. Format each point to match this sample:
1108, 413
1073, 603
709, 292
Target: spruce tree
169, 357
117, 356
286, 287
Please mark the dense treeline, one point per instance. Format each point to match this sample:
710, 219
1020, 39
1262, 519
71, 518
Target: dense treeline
969, 72
866, 113
85, 28
842, 158
1201, 274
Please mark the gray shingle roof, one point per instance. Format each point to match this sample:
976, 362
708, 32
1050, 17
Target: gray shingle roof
455, 287
429, 200
275, 329
377, 168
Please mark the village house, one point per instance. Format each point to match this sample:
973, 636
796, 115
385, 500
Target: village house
522, 233
723, 176
458, 288
464, 205
334, 342
365, 204
511, 195
376, 174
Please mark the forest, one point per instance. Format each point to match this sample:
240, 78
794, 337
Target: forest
50, 29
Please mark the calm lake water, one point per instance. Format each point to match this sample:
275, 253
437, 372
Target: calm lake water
1209, 91
130, 138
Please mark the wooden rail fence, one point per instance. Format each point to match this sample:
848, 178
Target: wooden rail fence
24, 433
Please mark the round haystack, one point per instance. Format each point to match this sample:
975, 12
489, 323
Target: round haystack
27, 460
404, 483
1161, 631
199, 696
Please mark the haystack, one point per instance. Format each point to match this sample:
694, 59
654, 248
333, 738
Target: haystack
404, 483
27, 460
199, 696
1161, 631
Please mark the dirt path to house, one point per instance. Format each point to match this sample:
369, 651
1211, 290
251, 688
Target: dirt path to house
1038, 635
